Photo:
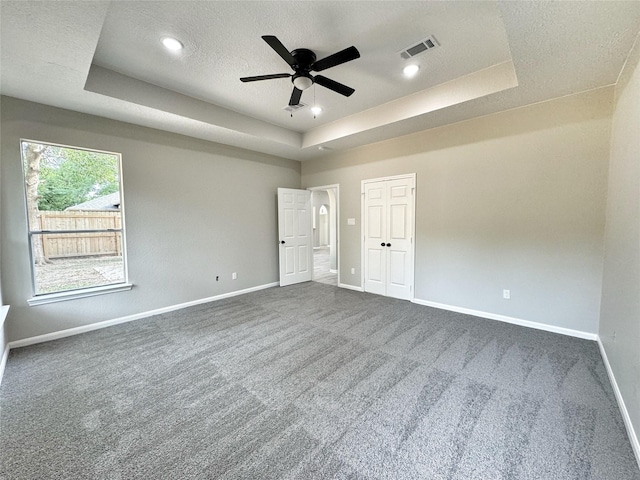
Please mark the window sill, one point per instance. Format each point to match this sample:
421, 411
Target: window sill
4, 310
75, 294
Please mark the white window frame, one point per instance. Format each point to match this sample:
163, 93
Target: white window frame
44, 298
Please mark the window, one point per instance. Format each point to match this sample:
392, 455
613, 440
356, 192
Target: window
75, 218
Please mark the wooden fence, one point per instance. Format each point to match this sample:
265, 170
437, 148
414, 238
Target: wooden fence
63, 245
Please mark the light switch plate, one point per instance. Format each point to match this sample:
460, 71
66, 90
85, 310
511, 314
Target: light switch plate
351, 221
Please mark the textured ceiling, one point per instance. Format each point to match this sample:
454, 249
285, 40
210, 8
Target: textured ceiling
105, 58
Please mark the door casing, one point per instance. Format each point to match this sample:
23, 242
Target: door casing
335, 186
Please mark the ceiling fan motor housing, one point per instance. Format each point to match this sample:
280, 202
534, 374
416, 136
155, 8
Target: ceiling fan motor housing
304, 59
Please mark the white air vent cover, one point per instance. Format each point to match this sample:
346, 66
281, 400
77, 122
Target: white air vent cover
420, 47
293, 108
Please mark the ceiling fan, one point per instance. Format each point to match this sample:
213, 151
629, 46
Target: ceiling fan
303, 61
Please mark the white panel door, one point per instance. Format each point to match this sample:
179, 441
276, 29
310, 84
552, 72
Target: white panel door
375, 235
294, 230
399, 237
388, 211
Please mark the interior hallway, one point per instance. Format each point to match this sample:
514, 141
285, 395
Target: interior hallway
321, 272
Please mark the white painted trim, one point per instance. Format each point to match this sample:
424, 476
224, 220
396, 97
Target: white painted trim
75, 294
350, 287
3, 362
108, 323
4, 310
516, 321
633, 437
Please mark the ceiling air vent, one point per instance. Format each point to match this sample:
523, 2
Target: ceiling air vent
420, 47
293, 108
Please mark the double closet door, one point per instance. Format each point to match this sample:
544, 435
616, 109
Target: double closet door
388, 226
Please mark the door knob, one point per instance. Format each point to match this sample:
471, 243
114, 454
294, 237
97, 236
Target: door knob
282, 242
388, 244
382, 244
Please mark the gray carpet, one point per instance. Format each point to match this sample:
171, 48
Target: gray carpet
312, 382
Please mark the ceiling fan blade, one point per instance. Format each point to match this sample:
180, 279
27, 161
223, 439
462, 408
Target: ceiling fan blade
280, 49
265, 77
295, 96
333, 85
342, 56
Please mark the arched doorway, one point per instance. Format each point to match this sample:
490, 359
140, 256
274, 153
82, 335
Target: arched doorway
325, 234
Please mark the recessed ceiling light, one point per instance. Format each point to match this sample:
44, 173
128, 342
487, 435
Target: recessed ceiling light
316, 110
410, 70
172, 44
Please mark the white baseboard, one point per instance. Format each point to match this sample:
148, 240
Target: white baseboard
515, 321
4, 310
350, 287
633, 437
108, 323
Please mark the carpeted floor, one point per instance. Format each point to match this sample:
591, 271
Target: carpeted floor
312, 382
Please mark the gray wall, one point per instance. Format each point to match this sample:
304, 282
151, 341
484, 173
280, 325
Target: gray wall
620, 315
514, 200
194, 210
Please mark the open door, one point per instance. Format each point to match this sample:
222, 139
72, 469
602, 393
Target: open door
294, 229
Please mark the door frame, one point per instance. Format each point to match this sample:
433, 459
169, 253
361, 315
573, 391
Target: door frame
412, 276
327, 187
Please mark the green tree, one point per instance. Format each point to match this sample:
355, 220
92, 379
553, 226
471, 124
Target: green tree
32, 154
70, 176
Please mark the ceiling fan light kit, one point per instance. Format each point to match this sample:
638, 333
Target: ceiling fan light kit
302, 82
303, 61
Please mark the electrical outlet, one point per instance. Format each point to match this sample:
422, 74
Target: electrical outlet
506, 294
234, 276
353, 271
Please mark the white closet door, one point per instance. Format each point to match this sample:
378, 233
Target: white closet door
388, 236
399, 238
294, 227
375, 223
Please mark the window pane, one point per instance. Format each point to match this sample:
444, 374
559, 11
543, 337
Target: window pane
75, 192
76, 261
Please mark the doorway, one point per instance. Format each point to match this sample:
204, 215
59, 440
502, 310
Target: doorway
325, 234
